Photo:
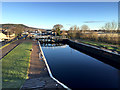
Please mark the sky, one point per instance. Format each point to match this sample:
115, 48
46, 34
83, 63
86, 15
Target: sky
47, 14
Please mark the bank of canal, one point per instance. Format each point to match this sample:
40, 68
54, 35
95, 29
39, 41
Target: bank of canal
78, 70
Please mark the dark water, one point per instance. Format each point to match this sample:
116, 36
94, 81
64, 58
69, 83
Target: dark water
78, 70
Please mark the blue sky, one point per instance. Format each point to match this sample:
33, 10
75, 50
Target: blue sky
47, 14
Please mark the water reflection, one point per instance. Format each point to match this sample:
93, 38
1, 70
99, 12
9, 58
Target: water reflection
78, 70
52, 44
106, 61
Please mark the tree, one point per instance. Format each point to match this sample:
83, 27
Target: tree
110, 26
57, 28
73, 32
118, 26
84, 28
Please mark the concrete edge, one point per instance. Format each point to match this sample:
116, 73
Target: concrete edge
49, 71
96, 51
94, 47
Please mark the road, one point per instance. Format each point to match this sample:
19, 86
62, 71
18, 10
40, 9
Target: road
4, 51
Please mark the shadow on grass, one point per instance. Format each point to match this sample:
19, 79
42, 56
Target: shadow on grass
15, 66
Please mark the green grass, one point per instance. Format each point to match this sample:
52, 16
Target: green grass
15, 66
99, 44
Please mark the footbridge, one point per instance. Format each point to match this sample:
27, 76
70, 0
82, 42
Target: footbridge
50, 38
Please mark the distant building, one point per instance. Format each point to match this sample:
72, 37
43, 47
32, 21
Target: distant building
54, 33
3, 36
49, 32
26, 33
7, 35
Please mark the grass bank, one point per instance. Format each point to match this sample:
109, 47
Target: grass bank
15, 66
100, 44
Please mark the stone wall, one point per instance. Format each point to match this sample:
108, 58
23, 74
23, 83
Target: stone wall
100, 54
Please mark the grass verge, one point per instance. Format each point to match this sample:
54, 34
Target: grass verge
15, 66
101, 45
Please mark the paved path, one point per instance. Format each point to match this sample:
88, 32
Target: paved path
38, 74
37, 66
4, 51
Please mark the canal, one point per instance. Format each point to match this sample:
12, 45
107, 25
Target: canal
78, 70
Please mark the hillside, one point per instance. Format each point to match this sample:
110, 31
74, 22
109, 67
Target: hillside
16, 27
11, 26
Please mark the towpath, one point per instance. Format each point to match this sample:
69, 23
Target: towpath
38, 73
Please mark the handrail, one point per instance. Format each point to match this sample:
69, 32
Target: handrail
50, 70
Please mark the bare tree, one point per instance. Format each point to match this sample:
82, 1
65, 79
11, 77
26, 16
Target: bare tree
74, 31
118, 25
110, 26
84, 28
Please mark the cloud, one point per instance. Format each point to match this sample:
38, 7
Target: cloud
93, 21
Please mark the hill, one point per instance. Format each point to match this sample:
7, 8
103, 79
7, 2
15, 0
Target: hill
11, 26
17, 28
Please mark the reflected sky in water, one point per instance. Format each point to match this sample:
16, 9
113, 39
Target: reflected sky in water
78, 70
